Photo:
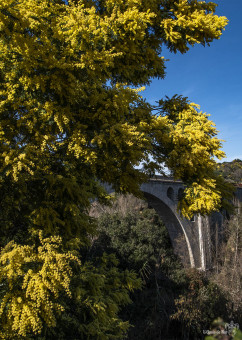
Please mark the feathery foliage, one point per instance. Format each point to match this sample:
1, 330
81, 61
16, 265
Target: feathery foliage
71, 116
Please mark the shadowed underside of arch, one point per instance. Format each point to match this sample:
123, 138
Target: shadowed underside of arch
176, 233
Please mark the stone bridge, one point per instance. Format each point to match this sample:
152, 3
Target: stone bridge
193, 240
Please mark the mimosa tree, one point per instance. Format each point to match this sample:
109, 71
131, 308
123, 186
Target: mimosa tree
71, 116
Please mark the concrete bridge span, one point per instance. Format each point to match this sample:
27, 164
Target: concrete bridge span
191, 239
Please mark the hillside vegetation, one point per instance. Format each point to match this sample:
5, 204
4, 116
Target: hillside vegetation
175, 303
231, 171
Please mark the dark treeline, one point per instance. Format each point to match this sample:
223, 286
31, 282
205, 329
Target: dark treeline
231, 171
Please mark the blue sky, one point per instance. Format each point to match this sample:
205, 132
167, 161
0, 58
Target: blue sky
211, 77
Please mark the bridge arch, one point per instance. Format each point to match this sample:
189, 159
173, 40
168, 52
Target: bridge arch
171, 194
177, 233
180, 193
183, 233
